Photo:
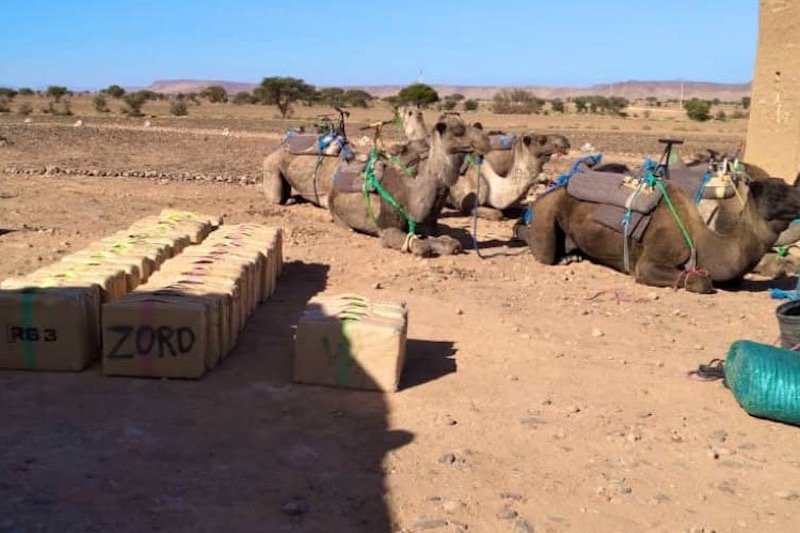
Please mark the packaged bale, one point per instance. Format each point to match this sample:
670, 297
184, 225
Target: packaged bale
157, 334
350, 341
52, 328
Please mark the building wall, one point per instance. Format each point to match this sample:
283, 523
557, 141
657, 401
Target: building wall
773, 133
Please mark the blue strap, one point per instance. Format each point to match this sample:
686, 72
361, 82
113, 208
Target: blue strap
698, 195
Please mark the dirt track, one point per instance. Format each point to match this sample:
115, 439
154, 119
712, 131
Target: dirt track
553, 398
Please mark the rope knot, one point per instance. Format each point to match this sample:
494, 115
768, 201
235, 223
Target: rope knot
688, 275
410, 238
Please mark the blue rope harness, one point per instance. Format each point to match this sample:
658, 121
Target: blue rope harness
563, 180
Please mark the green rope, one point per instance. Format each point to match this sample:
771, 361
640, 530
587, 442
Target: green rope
783, 251
396, 161
371, 184
654, 181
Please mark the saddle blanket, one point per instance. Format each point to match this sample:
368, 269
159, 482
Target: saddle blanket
313, 144
349, 175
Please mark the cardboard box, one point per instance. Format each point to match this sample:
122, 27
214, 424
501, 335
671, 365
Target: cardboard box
157, 335
49, 329
349, 341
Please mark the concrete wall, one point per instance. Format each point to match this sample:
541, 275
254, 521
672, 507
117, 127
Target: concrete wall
773, 133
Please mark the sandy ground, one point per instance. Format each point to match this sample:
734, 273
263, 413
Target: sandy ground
534, 398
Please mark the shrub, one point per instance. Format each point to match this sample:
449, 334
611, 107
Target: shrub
746, 102
25, 109
470, 105
179, 108
697, 109
721, 116
4, 105
243, 97
215, 94
8, 93
100, 103
516, 101
557, 105
26, 91
60, 110
134, 103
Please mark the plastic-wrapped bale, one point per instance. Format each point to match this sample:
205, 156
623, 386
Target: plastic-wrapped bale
350, 341
765, 380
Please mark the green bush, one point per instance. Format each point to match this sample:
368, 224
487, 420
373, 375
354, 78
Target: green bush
179, 108
134, 103
557, 105
115, 91
215, 94
100, 103
284, 92
516, 101
721, 116
470, 105
746, 102
697, 109
243, 97
26, 91
56, 92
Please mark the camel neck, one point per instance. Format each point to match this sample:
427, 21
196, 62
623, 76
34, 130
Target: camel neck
731, 255
434, 173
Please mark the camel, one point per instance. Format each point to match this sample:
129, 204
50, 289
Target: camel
308, 174
661, 256
449, 141
529, 153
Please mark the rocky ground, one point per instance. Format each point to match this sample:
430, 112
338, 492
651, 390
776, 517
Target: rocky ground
533, 398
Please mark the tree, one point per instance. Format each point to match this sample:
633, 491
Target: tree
616, 104
283, 92
115, 91
333, 96
470, 105
697, 109
215, 94
746, 102
419, 94
456, 96
26, 91
557, 105
516, 101
581, 104
56, 92
449, 103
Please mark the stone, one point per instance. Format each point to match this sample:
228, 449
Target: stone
452, 506
430, 523
523, 526
507, 514
597, 332
448, 459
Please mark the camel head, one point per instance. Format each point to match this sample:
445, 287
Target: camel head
543, 147
776, 201
413, 123
453, 137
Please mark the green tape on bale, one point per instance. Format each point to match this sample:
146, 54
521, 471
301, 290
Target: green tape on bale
765, 380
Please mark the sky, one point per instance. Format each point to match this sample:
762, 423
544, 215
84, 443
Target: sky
90, 44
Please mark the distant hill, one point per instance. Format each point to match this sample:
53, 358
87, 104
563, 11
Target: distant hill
663, 90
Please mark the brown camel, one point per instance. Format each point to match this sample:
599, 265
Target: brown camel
661, 256
529, 153
449, 142
309, 174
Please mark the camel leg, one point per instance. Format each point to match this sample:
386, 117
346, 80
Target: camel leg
649, 272
444, 245
276, 189
395, 239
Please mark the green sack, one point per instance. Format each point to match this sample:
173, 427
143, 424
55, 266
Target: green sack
765, 380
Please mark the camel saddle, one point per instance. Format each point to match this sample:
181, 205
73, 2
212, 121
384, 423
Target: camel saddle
349, 175
501, 141
618, 194
312, 144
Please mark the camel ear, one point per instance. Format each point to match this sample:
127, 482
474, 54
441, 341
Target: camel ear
527, 139
441, 127
479, 126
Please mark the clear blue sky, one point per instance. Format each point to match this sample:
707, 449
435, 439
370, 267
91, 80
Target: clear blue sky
86, 44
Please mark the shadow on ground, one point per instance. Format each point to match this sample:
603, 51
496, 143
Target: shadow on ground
243, 449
